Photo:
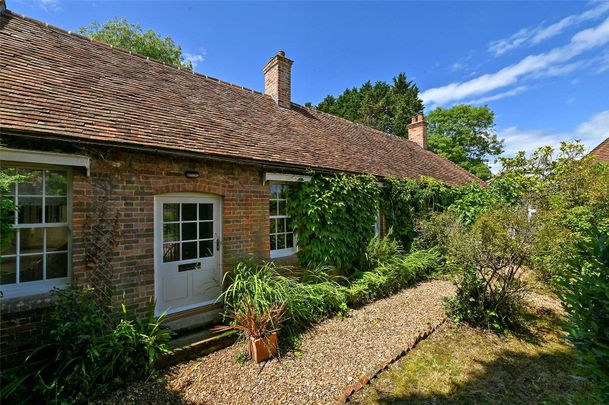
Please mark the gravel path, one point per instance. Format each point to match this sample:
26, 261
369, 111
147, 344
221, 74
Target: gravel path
332, 355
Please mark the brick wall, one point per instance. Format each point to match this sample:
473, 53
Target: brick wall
129, 182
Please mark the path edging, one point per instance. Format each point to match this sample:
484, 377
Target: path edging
365, 379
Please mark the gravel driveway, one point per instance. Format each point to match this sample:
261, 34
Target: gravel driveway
332, 355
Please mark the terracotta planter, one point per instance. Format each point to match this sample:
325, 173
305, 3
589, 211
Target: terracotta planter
262, 349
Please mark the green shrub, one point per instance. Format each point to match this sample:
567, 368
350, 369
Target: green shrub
391, 276
586, 300
490, 257
306, 302
381, 250
88, 351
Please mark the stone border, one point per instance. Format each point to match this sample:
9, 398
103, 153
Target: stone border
365, 379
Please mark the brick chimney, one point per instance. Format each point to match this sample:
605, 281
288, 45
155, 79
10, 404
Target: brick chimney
278, 79
417, 130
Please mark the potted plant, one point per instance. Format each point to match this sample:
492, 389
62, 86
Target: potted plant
259, 327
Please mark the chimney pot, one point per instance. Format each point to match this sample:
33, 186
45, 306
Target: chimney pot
417, 130
278, 79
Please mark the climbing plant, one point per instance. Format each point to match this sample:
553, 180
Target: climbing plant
334, 218
405, 200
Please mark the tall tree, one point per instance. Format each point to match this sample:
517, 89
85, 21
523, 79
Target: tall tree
385, 106
131, 37
465, 135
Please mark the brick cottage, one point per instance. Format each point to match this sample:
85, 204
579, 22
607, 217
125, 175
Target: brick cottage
153, 172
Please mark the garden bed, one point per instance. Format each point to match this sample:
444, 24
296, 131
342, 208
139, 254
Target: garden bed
331, 356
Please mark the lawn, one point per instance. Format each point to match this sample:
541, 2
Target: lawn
460, 364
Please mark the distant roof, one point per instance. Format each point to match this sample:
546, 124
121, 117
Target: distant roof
54, 83
602, 151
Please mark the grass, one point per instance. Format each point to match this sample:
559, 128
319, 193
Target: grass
463, 365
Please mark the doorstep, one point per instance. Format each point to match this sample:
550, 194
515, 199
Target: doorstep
192, 335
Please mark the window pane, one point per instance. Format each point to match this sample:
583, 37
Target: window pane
273, 208
273, 226
206, 212
189, 250
171, 212
30, 210
30, 268
8, 270
31, 240
289, 240
33, 184
281, 225
171, 252
10, 247
57, 265
171, 232
288, 225
206, 248
273, 242
281, 241
282, 210
189, 212
274, 191
56, 183
189, 230
10, 215
206, 230
57, 239
56, 209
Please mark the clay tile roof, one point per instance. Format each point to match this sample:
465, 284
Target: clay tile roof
54, 83
602, 151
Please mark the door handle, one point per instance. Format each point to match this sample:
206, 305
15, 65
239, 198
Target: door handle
217, 244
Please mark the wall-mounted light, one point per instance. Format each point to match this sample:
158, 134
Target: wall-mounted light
191, 174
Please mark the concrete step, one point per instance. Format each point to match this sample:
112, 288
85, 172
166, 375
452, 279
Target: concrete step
197, 344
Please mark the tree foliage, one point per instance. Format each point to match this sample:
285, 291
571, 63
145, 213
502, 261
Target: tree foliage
384, 106
131, 37
465, 135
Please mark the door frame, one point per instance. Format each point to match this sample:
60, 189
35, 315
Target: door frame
158, 238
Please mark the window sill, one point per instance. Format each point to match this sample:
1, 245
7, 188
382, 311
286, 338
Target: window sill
27, 290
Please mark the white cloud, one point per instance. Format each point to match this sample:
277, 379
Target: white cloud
498, 96
194, 58
581, 42
535, 35
591, 132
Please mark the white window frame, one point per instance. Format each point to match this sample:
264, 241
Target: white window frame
276, 253
41, 286
377, 224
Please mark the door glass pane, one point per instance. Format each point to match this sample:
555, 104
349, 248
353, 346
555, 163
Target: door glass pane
56, 209
189, 230
273, 208
30, 210
171, 232
273, 225
31, 240
30, 268
57, 265
171, 252
57, 239
273, 242
280, 225
8, 270
171, 212
56, 183
274, 191
206, 230
189, 250
33, 184
206, 248
206, 212
189, 212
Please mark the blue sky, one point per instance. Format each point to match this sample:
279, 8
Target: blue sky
543, 67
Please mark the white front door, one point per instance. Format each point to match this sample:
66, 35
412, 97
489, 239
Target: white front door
187, 251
